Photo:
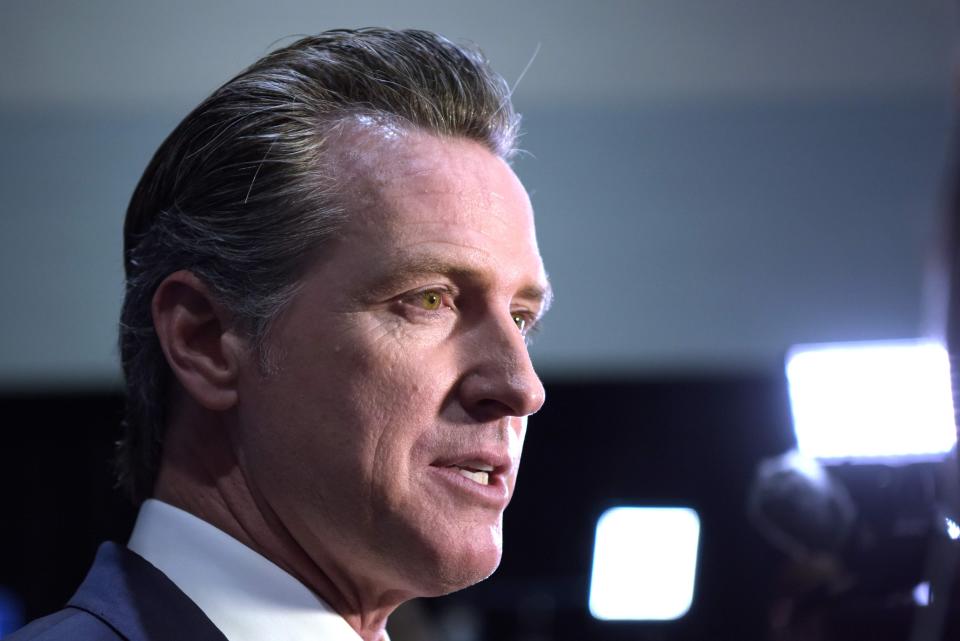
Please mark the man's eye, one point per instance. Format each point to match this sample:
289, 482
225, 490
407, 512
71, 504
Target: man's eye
521, 321
430, 300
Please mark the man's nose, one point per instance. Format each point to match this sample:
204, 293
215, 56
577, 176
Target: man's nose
500, 380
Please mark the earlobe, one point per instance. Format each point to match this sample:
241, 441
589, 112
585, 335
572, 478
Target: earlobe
198, 340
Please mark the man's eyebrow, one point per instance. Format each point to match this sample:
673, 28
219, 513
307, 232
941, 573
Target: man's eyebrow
400, 271
542, 294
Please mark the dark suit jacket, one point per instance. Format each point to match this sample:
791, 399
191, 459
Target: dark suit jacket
123, 597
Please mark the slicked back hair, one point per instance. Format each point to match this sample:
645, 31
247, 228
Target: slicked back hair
244, 192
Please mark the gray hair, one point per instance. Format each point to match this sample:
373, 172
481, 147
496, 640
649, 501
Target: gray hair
243, 193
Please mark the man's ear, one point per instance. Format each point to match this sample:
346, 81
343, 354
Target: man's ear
199, 341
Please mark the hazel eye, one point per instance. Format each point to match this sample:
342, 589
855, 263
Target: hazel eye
520, 321
430, 300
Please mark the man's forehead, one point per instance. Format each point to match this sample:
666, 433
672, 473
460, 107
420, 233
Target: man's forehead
425, 204
371, 154
440, 178
360, 144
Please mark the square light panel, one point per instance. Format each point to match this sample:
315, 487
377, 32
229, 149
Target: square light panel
867, 402
644, 563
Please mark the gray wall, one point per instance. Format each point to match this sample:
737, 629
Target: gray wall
714, 181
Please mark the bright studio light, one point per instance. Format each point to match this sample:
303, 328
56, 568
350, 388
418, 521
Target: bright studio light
864, 401
644, 563
953, 530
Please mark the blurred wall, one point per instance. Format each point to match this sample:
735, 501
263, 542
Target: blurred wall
713, 180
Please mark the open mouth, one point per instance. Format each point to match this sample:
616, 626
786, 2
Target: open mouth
476, 472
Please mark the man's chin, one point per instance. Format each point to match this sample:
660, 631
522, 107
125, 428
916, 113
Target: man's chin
456, 567
442, 553
461, 575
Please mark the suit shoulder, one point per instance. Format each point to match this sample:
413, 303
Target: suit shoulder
69, 624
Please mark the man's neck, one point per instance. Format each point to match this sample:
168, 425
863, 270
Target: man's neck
200, 475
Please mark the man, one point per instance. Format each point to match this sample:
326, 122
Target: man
331, 270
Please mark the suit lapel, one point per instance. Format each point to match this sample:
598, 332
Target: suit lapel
139, 601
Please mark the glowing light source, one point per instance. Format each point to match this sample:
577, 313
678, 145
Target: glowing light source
862, 401
921, 594
953, 530
644, 563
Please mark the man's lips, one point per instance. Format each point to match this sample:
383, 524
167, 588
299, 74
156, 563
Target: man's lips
483, 474
479, 465
476, 471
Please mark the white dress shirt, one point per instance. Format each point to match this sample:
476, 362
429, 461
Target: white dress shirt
246, 596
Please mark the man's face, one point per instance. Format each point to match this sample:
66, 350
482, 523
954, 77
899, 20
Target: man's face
387, 441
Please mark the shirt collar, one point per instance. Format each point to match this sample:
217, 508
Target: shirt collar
248, 597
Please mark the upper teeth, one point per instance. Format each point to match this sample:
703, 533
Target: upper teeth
482, 477
474, 465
